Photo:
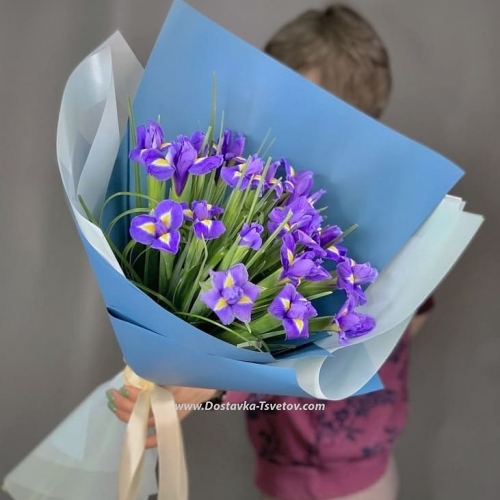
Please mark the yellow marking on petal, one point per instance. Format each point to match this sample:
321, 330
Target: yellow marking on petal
286, 303
165, 238
245, 300
221, 303
188, 213
289, 255
238, 174
299, 324
287, 226
164, 145
257, 177
229, 281
148, 227
161, 162
166, 218
292, 171
207, 223
334, 249
351, 278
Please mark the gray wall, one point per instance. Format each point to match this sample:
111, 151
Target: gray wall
56, 343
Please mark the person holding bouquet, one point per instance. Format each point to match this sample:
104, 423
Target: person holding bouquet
345, 450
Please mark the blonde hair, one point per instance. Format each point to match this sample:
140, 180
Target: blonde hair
344, 48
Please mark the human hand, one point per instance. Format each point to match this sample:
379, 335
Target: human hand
417, 323
121, 403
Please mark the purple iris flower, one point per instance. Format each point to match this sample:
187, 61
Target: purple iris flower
251, 236
328, 234
232, 146
188, 213
159, 229
231, 175
270, 182
299, 267
203, 225
197, 140
304, 217
232, 295
294, 311
297, 183
336, 253
178, 161
312, 199
304, 239
325, 238
350, 324
148, 138
352, 275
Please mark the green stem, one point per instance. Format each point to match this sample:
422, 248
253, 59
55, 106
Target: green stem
271, 280
227, 261
214, 106
128, 248
163, 275
180, 261
270, 240
124, 214
196, 285
258, 191
212, 322
147, 267
156, 295
133, 138
346, 233
263, 143
122, 193
115, 250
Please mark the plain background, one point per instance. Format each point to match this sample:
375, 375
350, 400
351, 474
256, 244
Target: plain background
56, 343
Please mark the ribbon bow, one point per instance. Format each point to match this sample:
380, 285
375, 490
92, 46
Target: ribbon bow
173, 484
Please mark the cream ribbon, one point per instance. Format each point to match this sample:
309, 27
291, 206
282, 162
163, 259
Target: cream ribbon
173, 483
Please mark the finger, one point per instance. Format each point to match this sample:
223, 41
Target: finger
123, 410
125, 417
122, 415
127, 391
151, 442
130, 392
121, 402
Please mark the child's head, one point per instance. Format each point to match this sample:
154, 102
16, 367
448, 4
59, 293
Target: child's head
339, 50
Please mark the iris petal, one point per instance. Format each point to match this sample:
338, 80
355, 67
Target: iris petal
243, 312
168, 242
211, 298
296, 329
142, 229
172, 213
204, 166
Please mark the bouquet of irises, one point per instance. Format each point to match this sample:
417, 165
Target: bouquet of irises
217, 265
236, 245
